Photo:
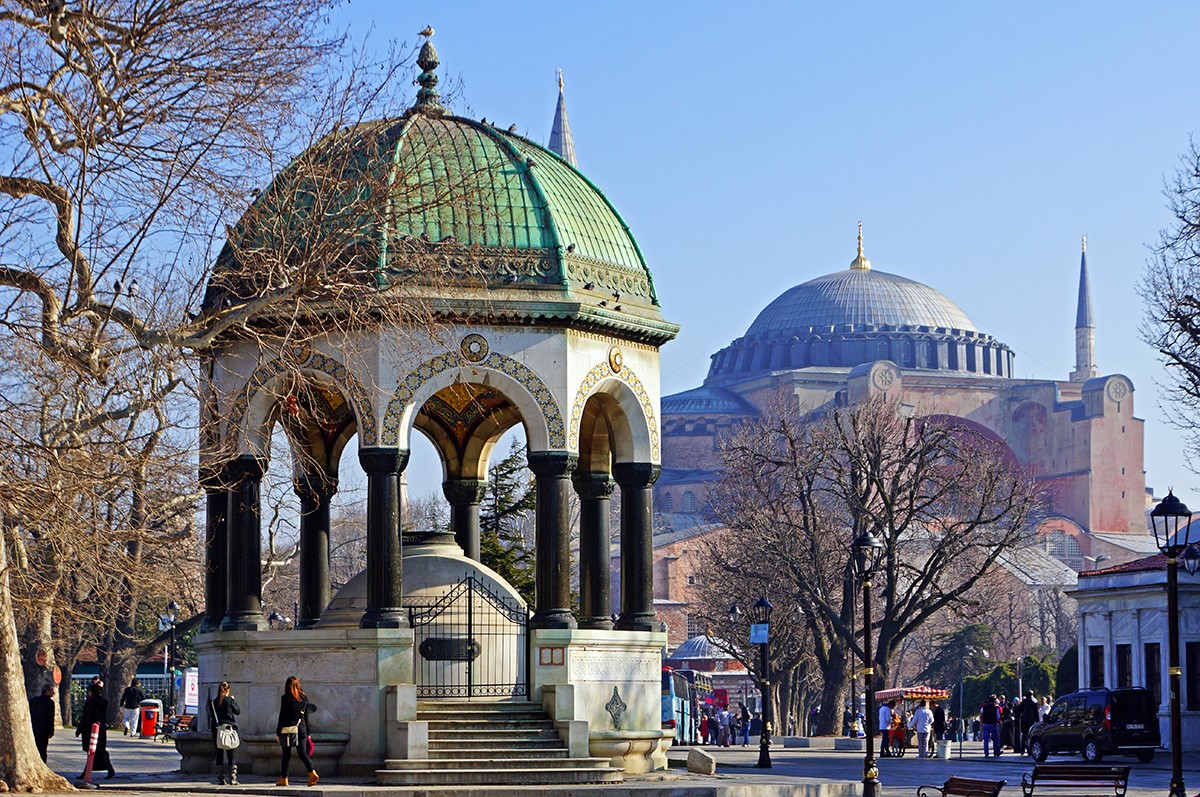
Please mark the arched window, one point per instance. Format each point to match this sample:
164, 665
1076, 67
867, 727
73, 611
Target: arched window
688, 502
666, 502
1065, 548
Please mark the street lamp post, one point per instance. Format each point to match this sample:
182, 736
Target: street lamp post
168, 620
866, 551
760, 621
1171, 521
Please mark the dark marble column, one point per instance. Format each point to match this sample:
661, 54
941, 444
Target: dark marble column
314, 490
243, 601
464, 496
383, 467
216, 547
595, 592
553, 544
637, 544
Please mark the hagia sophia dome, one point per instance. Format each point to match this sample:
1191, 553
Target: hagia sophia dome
861, 315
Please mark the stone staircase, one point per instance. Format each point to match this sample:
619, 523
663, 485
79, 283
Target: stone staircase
493, 744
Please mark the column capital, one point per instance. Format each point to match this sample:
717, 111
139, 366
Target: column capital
593, 486
383, 460
246, 466
315, 486
636, 474
551, 463
464, 491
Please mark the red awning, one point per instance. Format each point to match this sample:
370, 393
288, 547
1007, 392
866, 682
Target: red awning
913, 693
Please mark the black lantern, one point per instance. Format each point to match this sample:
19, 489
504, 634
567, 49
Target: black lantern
1191, 559
735, 614
1171, 521
1172, 524
867, 549
760, 612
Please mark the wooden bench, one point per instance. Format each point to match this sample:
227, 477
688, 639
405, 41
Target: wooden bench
964, 787
1076, 780
173, 725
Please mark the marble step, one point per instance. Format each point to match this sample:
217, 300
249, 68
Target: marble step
488, 732
535, 776
497, 752
501, 723
501, 762
495, 741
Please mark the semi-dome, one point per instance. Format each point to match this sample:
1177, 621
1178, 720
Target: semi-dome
492, 208
856, 316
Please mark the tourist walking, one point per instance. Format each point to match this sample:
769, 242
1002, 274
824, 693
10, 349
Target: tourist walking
43, 715
723, 720
1044, 708
885, 728
291, 730
989, 723
922, 723
224, 710
95, 712
745, 725
131, 700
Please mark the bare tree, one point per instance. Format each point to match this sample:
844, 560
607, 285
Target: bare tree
1169, 289
798, 487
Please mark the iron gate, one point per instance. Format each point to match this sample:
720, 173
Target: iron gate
470, 642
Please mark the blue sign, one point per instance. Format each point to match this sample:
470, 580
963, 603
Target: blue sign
758, 633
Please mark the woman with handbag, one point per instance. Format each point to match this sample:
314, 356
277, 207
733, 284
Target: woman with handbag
292, 730
222, 718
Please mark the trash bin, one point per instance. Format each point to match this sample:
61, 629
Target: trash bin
943, 749
149, 713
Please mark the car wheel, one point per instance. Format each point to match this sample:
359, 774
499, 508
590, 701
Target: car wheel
1091, 752
1145, 756
1037, 750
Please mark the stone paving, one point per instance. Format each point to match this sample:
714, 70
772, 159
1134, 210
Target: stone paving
147, 766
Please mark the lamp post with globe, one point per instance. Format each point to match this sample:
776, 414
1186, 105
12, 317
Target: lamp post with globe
760, 621
865, 553
1172, 524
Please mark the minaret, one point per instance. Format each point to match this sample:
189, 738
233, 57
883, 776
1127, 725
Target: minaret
560, 133
1085, 329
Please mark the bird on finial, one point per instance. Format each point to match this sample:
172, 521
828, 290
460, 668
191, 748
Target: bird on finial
427, 32
1085, 242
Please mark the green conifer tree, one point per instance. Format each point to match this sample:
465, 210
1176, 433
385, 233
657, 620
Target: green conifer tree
510, 496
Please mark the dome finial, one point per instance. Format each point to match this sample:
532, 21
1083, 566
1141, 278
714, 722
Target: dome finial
861, 261
560, 80
428, 100
1085, 243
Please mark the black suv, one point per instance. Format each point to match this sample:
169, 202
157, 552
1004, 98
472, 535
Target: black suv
1099, 722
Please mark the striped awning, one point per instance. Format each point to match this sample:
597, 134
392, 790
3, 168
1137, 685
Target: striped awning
913, 693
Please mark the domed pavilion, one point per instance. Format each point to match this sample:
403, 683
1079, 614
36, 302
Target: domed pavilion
490, 284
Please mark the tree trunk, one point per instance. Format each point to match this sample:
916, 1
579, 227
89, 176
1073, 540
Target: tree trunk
21, 769
833, 692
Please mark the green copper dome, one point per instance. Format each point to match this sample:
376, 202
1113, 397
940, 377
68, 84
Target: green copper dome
488, 208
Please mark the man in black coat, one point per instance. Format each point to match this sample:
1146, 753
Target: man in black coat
1027, 715
131, 699
43, 715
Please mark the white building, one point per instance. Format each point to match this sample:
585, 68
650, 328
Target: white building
1123, 636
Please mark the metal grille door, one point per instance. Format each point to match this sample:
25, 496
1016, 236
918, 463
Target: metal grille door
470, 642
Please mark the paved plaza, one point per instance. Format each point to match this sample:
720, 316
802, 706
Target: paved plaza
144, 765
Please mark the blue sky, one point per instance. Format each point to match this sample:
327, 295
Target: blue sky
744, 142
